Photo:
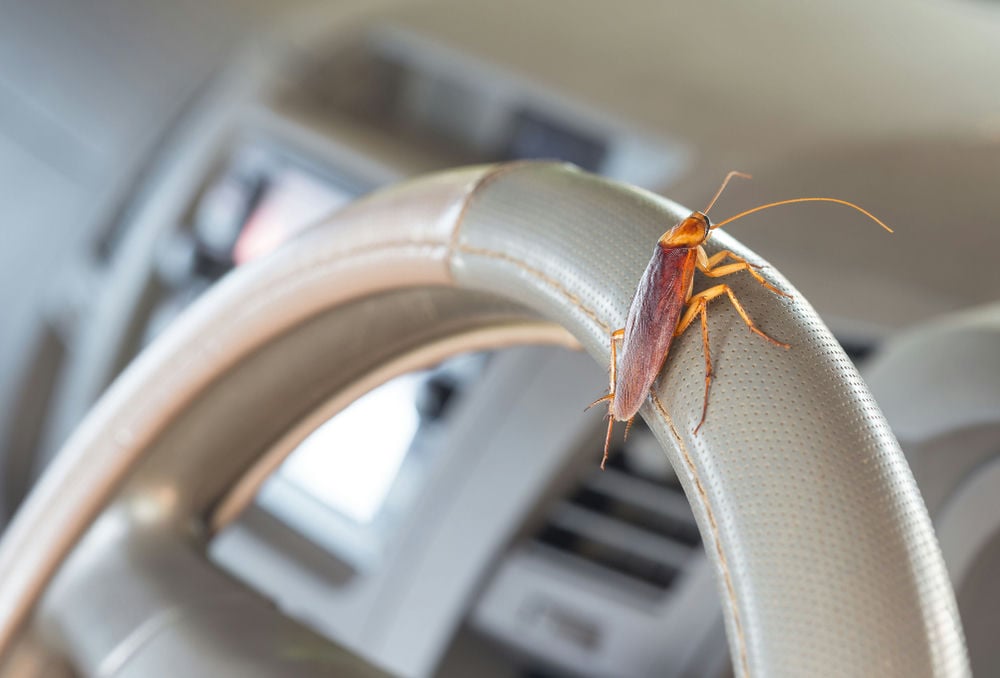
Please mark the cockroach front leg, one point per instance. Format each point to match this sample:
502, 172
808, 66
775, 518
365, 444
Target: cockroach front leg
711, 267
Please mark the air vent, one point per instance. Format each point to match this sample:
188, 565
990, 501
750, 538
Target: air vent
629, 522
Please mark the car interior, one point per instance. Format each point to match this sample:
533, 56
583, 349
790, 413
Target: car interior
303, 304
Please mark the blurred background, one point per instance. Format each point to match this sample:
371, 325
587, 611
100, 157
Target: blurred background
148, 148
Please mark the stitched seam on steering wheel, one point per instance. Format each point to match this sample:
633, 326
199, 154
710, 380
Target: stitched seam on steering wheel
685, 454
483, 181
723, 562
552, 282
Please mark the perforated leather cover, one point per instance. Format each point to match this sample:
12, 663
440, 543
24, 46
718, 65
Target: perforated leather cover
825, 558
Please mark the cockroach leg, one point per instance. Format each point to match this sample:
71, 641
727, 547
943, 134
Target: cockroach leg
718, 291
628, 427
708, 363
719, 257
610, 396
698, 306
728, 269
607, 440
616, 336
712, 269
694, 304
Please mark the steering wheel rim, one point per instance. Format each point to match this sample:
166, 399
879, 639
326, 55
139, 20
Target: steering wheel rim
824, 555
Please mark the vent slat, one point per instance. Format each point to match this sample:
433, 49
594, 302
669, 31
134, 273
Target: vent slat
630, 523
603, 557
616, 534
640, 503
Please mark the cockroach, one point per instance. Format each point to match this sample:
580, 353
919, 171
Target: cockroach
664, 306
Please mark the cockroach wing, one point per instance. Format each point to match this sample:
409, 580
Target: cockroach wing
649, 330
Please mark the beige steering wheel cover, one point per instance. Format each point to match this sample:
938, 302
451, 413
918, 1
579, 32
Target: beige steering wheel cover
825, 555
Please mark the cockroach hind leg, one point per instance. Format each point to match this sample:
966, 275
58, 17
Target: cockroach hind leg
607, 441
628, 427
717, 291
750, 324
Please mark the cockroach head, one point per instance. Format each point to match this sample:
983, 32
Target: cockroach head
691, 232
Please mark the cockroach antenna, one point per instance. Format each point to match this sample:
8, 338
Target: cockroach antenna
725, 182
792, 201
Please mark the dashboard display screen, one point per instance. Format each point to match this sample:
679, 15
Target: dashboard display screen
350, 463
291, 199
350, 483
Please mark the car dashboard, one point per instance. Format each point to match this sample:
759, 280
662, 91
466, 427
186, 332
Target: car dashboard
454, 522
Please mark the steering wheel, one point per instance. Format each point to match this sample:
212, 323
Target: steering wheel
824, 556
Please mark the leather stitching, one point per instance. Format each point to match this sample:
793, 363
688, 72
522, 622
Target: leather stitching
483, 181
454, 246
552, 282
685, 454
723, 563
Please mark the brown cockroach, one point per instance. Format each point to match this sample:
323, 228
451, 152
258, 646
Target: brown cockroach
664, 306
